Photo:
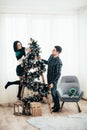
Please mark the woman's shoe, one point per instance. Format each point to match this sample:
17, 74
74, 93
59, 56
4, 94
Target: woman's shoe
6, 86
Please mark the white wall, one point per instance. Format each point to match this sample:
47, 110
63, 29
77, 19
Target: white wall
41, 6
49, 30
83, 50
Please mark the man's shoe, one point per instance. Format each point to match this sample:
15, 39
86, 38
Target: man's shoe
53, 107
56, 110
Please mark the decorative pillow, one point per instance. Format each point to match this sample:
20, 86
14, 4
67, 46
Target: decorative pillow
72, 92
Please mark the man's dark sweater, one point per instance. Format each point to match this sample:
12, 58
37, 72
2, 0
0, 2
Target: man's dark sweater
54, 69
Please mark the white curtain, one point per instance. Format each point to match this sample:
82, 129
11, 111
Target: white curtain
83, 50
48, 30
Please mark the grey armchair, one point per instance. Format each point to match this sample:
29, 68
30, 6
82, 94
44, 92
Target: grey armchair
68, 83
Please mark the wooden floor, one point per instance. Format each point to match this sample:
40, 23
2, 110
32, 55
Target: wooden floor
8, 121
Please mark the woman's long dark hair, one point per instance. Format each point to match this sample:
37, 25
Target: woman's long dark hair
15, 45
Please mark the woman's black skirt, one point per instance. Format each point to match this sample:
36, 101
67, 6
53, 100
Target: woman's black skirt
19, 70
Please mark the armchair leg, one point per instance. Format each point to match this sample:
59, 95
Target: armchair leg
78, 107
61, 106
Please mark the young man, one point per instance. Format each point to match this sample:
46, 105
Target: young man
53, 74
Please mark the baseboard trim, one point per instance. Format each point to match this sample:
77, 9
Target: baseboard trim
6, 104
84, 99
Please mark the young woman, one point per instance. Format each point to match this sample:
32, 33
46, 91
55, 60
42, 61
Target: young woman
20, 53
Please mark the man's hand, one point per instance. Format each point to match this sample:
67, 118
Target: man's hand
51, 85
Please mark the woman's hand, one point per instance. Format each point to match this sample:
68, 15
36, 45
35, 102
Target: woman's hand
28, 49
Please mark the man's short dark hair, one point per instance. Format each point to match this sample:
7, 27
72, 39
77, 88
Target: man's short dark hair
58, 48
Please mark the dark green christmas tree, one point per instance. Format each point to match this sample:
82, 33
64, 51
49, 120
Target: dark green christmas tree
33, 69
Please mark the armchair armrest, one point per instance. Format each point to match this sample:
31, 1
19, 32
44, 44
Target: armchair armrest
60, 92
80, 93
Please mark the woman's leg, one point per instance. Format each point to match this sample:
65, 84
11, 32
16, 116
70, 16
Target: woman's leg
17, 82
12, 83
19, 89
